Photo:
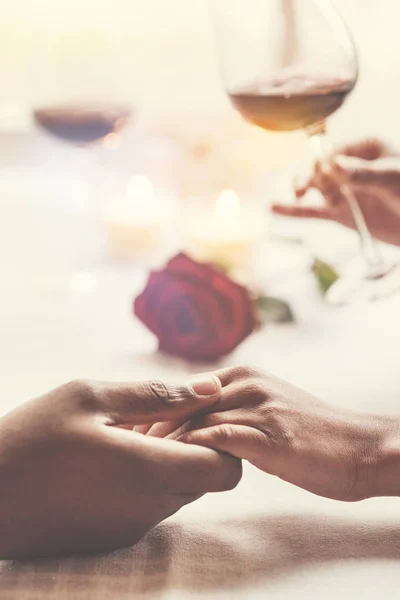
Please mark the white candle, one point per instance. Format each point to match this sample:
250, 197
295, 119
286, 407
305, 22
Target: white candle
229, 235
134, 225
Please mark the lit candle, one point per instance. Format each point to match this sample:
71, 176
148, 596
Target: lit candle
134, 225
229, 235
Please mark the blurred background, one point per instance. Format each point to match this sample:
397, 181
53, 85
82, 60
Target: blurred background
68, 276
159, 60
166, 56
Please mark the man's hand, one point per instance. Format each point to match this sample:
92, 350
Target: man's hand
74, 479
372, 171
289, 433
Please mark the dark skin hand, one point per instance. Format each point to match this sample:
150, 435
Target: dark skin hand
289, 433
74, 479
372, 171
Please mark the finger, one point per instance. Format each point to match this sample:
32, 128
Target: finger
384, 172
127, 426
242, 378
170, 466
169, 429
238, 440
164, 430
328, 183
235, 400
143, 429
322, 179
322, 176
369, 149
237, 374
237, 416
302, 212
301, 190
194, 469
151, 401
242, 386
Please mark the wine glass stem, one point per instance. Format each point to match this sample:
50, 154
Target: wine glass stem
370, 251
289, 48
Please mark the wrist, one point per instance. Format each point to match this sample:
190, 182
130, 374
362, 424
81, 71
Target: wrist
388, 466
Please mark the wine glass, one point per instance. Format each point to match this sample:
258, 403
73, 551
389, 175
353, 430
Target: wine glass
288, 65
79, 96
79, 91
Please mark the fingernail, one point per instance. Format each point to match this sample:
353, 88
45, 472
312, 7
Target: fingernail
203, 385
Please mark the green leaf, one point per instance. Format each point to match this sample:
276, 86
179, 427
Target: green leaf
325, 274
274, 310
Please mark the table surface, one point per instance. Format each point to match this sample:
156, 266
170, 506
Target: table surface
265, 537
62, 318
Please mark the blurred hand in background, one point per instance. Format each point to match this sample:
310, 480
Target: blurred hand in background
372, 171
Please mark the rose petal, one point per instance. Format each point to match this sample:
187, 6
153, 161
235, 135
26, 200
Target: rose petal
240, 314
147, 306
195, 310
173, 340
183, 264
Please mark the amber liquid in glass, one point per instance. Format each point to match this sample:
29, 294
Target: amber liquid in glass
287, 104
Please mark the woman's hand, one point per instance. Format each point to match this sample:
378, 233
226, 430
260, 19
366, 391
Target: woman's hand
73, 479
372, 171
289, 433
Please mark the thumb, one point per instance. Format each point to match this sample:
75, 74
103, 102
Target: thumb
384, 172
144, 402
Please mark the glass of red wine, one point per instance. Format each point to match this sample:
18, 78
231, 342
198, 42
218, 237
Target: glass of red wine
288, 65
80, 98
79, 85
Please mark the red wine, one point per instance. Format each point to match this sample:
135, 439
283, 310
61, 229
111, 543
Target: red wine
82, 124
291, 103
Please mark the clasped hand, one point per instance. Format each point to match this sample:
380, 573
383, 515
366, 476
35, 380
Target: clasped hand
289, 433
73, 479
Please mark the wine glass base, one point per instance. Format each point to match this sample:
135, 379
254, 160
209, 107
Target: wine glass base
366, 285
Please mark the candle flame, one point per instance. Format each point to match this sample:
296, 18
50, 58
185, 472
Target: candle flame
139, 198
228, 206
137, 204
139, 189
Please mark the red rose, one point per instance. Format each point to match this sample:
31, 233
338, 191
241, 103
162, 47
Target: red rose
195, 311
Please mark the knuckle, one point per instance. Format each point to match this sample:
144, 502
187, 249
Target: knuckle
159, 390
224, 433
257, 389
254, 392
275, 428
84, 392
159, 394
247, 372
